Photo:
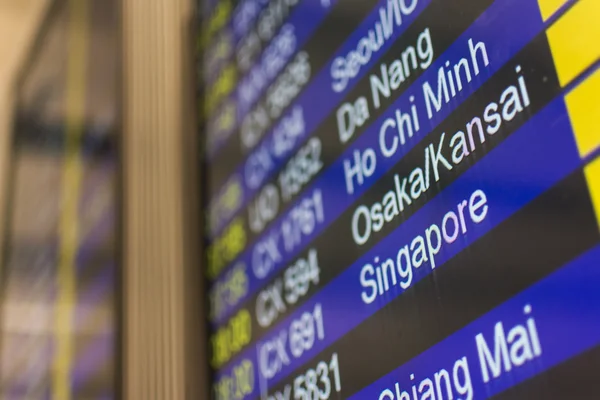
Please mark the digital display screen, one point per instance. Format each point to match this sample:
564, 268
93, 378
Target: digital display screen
402, 198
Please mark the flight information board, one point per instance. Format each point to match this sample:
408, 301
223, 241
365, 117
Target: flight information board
402, 198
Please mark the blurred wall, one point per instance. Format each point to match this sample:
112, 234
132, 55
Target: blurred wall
163, 342
20, 21
60, 267
164, 346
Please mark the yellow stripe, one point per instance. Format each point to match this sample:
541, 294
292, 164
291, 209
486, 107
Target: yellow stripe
549, 7
592, 174
217, 21
71, 181
583, 104
574, 40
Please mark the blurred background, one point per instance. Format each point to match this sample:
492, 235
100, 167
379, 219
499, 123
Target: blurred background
99, 295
